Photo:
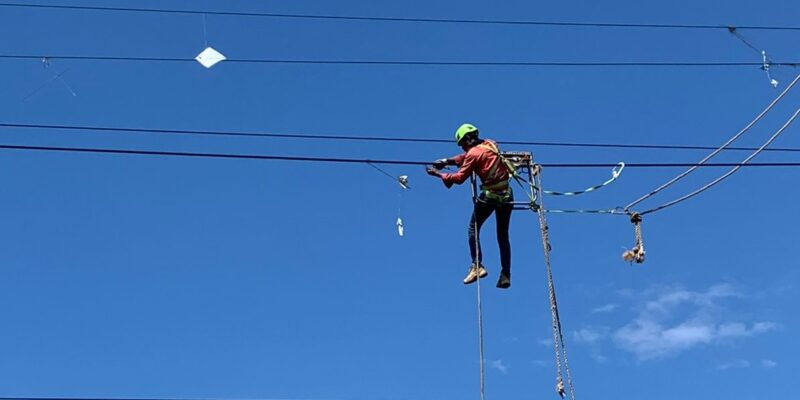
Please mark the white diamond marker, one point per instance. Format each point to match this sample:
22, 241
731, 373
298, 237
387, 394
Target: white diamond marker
209, 57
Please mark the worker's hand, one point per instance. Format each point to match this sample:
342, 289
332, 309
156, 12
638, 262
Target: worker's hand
433, 172
536, 169
441, 163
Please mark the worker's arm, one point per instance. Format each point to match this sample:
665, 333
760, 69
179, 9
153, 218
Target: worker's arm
443, 162
467, 163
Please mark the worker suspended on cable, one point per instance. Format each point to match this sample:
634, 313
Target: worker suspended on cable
482, 157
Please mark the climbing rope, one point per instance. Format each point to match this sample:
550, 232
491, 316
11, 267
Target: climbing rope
480, 334
562, 363
478, 288
637, 252
715, 152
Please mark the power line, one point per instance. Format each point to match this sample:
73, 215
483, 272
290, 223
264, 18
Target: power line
403, 19
372, 138
727, 174
718, 150
138, 398
674, 64
359, 160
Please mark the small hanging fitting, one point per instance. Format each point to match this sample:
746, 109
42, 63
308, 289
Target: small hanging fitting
766, 63
403, 181
636, 254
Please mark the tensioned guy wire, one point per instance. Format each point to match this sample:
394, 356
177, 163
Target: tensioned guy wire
278, 135
400, 19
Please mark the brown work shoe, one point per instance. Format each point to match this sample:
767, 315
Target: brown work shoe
475, 271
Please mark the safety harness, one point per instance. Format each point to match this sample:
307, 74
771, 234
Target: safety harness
499, 192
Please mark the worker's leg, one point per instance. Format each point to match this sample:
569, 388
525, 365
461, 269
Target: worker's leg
481, 212
503, 217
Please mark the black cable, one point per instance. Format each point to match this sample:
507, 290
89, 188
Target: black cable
120, 398
361, 161
406, 63
400, 19
374, 138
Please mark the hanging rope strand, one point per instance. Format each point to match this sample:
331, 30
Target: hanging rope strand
719, 149
480, 337
478, 286
570, 386
558, 338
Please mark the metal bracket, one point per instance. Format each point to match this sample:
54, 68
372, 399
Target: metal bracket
526, 169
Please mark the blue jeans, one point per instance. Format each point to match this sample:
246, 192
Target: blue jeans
484, 209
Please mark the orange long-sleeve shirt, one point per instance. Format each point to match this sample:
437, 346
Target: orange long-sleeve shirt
479, 160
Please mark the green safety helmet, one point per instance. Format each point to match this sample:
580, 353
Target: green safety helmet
464, 130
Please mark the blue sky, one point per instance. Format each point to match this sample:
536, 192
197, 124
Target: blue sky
131, 276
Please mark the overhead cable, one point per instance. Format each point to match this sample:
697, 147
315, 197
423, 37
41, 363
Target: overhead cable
400, 19
278, 135
744, 130
610, 64
124, 398
727, 174
357, 160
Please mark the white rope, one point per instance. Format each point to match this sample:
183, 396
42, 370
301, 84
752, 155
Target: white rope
729, 173
476, 265
719, 149
480, 337
558, 338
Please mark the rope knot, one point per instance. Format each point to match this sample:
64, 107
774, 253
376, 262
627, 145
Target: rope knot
636, 254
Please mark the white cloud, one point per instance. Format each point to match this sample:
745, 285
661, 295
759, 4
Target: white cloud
768, 363
540, 363
738, 329
599, 358
547, 342
498, 365
764, 326
605, 309
588, 335
733, 364
660, 330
